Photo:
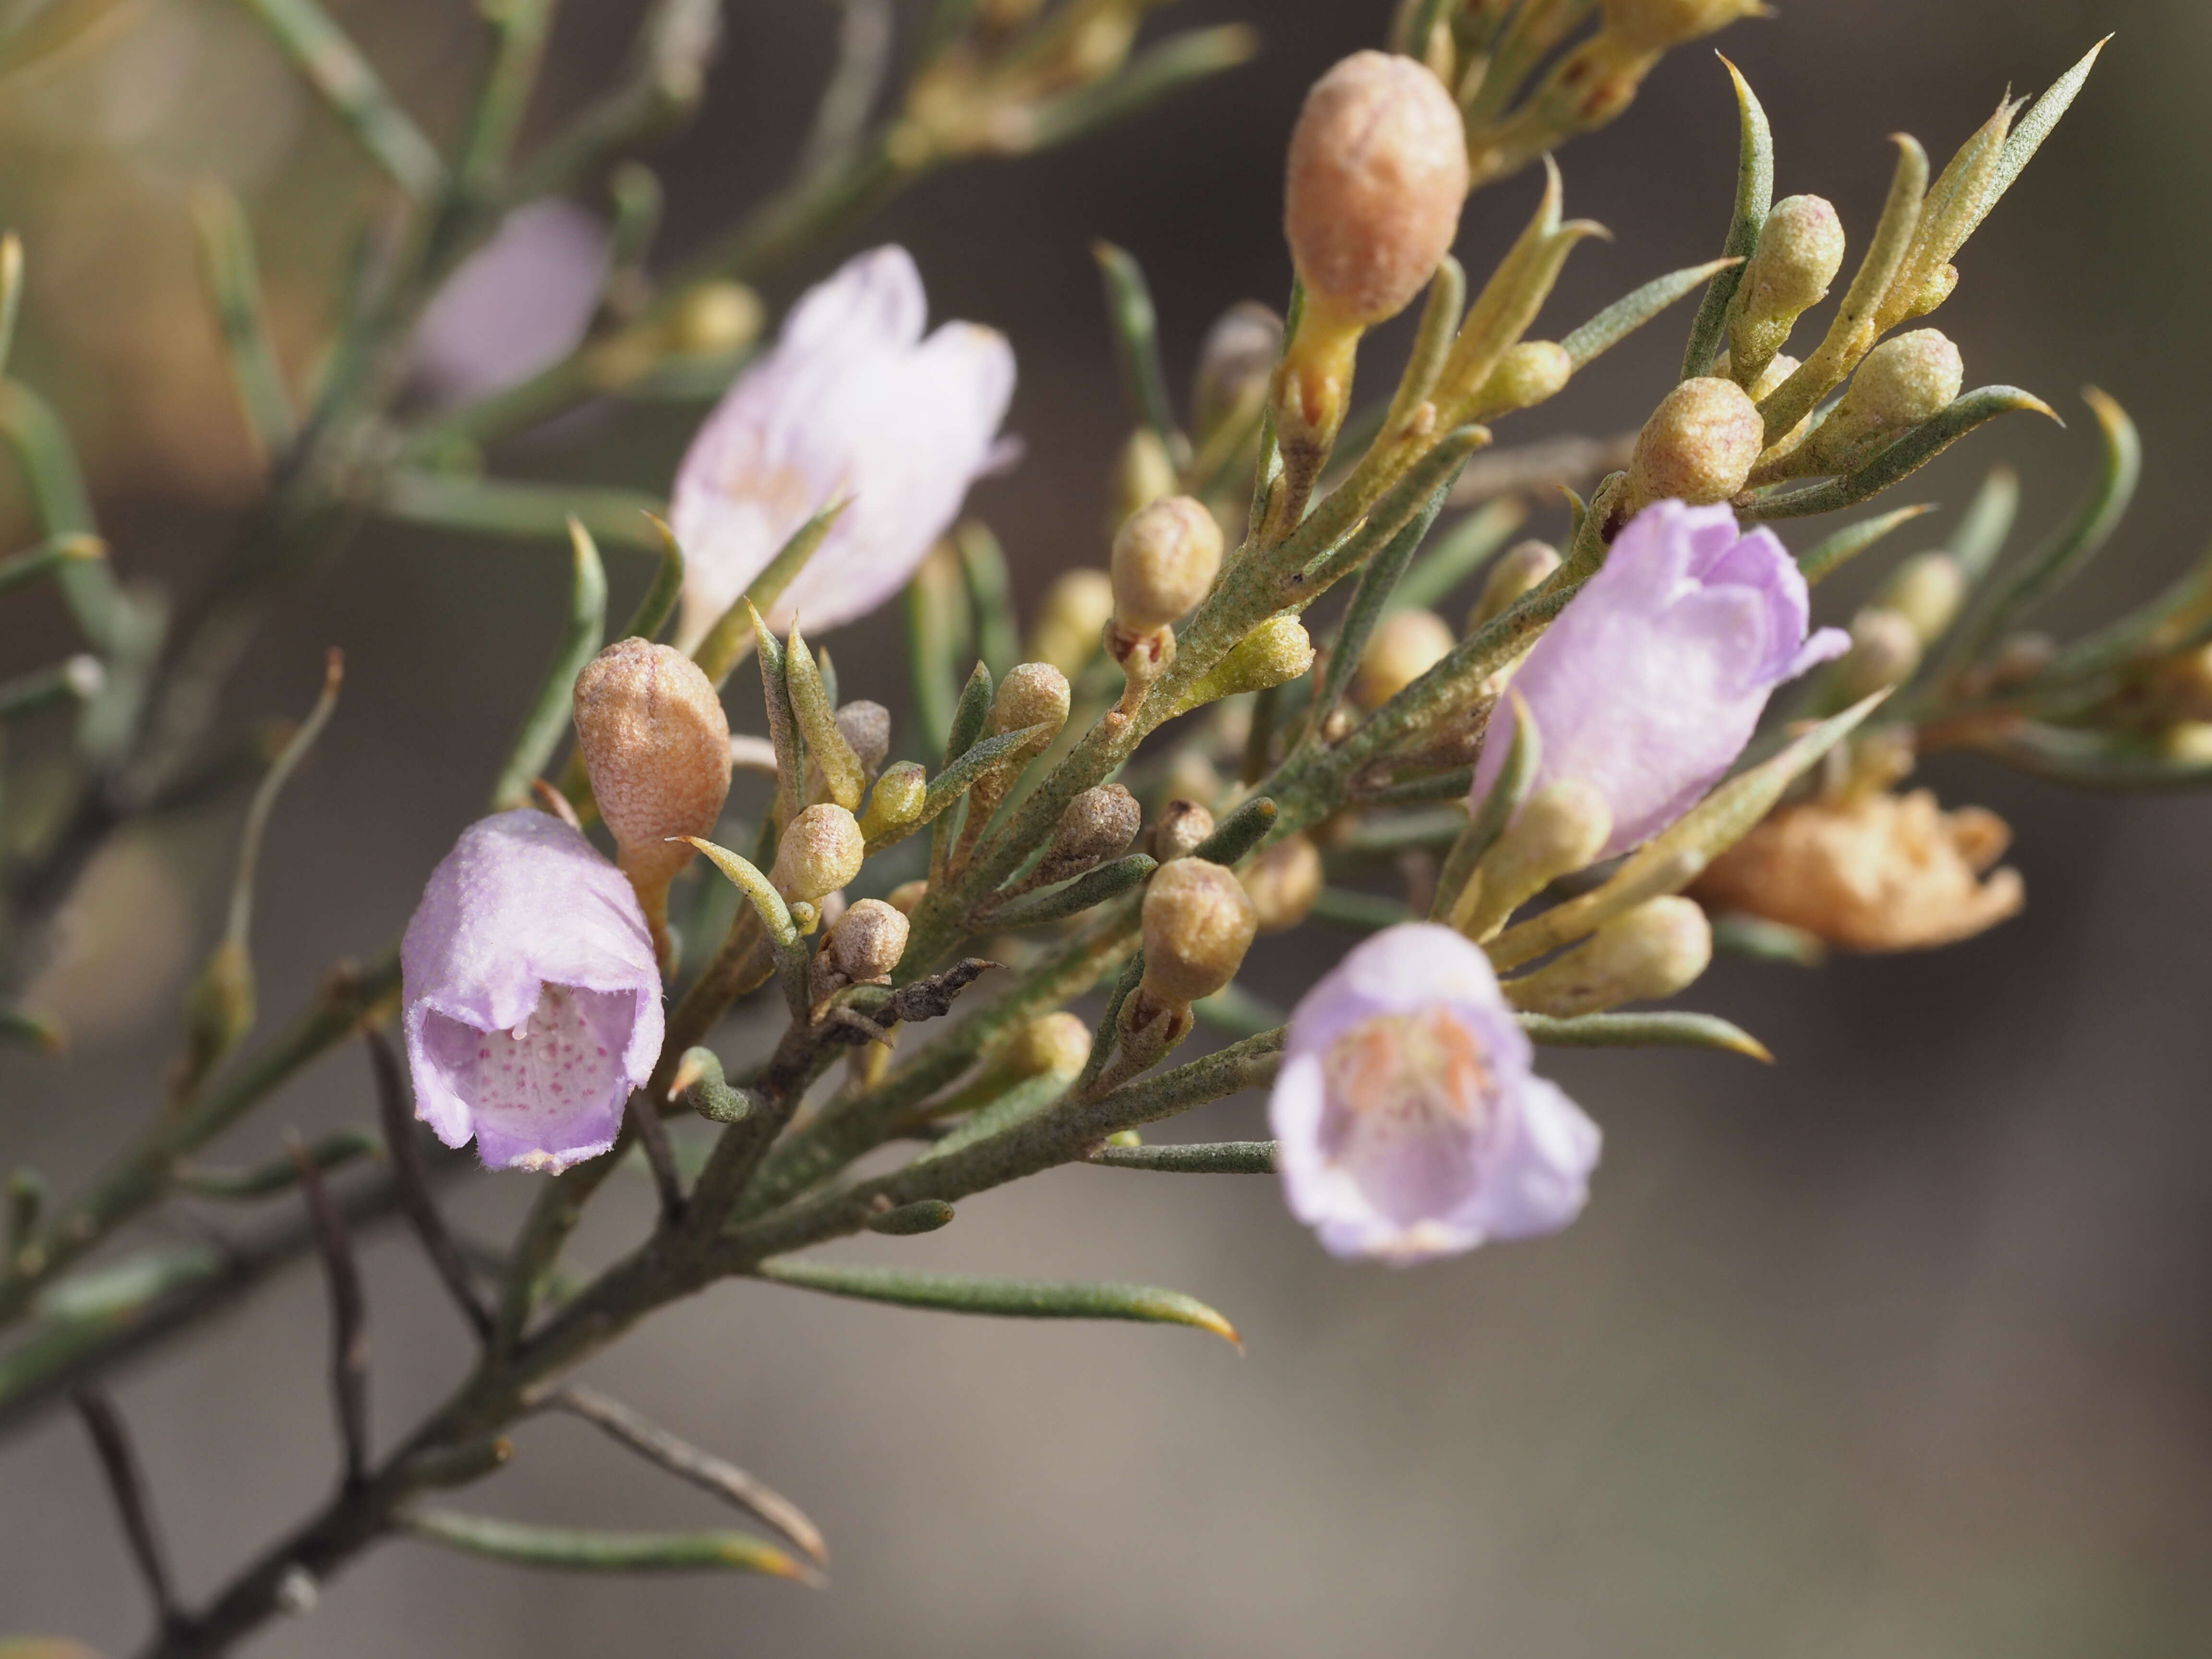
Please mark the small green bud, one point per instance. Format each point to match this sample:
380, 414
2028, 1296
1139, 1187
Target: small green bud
1698, 447
1077, 608
1801, 249
821, 850
1519, 572
1927, 590
1274, 653
1654, 950
1404, 645
896, 801
1903, 382
712, 319
1532, 373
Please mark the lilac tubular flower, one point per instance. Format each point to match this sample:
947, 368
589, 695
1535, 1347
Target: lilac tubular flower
531, 1005
1408, 1122
518, 305
1652, 680
852, 402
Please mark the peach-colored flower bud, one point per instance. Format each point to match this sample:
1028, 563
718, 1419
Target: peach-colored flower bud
1651, 951
1698, 447
1077, 608
908, 896
820, 851
1198, 923
1404, 645
1519, 570
867, 942
1284, 884
1165, 559
1377, 172
656, 745
1233, 365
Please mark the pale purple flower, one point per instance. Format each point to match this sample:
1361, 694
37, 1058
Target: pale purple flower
1408, 1123
521, 303
532, 1004
852, 402
1653, 678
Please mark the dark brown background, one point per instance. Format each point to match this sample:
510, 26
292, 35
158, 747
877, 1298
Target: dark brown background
1897, 1348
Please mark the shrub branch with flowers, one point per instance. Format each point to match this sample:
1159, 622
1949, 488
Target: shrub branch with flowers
1581, 785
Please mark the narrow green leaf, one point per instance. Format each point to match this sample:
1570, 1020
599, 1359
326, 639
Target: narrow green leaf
1239, 833
1425, 791
1739, 933
1499, 807
1754, 198
1180, 60
1675, 858
1092, 888
1204, 1158
1986, 522
234, 280
327, 57
1363, 913
775, 915
724, 647
48, 558
1661, 1031
2032, 128
1236, 1010
1007, 1299
1900, 460
1824, 559
1626, 315
550, 711
782, 722
569, 1549
469, 505
826, 745
1135, 325
2101, 761
990, 595
938, 632
63, 507
1370, 600
926, 1215
953, 782
665, 592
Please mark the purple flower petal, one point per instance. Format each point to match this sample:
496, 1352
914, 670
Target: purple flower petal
519, 304
1409, 1123
1652, 681
531, 1005
852, 402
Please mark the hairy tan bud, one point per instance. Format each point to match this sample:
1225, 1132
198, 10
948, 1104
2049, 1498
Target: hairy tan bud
1927, 590
1800, 248
1698, 447
1404, 645
908, 896
1183, 825
1560, 829
1234, 364
821, 850
866, 942
1198, 923
1032, 694
656, 746
1097, 825
1656, 25
1056, 1045
1651, 952
867, 727
1519, 572
1077, 608
1903, 382
1284, 884
1165, 559
1885, 651
1377, 172
896, 801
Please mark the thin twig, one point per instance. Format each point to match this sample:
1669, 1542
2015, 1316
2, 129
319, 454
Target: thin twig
348, 1316
690, 1463
414, 1186
660, 1154
126, 1481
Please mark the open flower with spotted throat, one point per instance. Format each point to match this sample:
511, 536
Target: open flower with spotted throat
1408, 1121
532, 1002
853, 404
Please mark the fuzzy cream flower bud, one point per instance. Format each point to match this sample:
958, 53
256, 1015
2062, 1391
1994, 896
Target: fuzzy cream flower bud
1903, 382
867, 942
1561, 828
713, 319
1885, 651
1284, 884
1519, 572
1233, 365
1098, 825
1144, 473
1698, 447
907, 896
1801, 249
1198, 923
1654, 950
1057, 1046
1654, 25
1404, 645
656, 746
1032, 694
1183, 826
867, 727
1532, 373
1377, 172
820, 851
1165, 559
1927, 590
1077, 608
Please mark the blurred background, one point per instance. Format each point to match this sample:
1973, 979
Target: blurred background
1898, 1348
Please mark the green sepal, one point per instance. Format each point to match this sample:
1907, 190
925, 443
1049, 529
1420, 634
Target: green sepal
1004, 1298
